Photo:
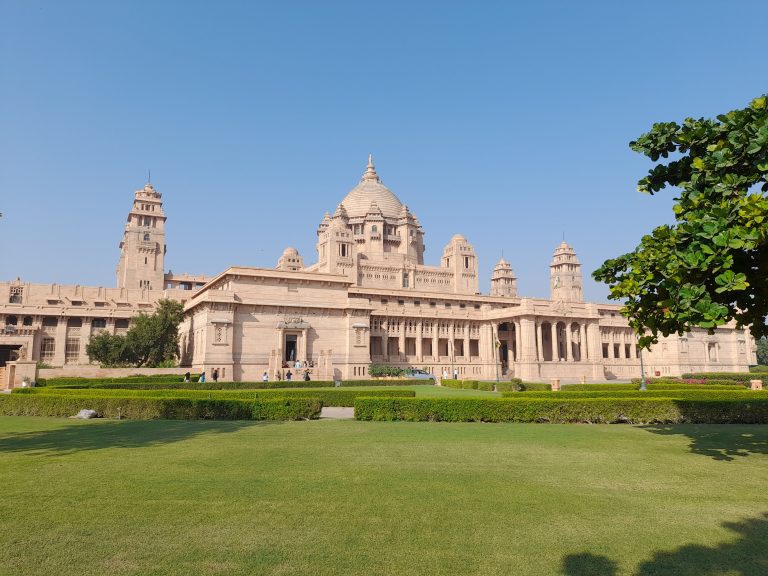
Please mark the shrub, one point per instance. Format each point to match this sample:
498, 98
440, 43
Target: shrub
79, 382
757, 369
605, 387
403, 382
737, 376
329, 396
590, 410
485, 386
687, 394
142, 408
384, 370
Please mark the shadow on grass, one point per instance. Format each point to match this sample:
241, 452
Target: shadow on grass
720, 441
746, 556
113, 434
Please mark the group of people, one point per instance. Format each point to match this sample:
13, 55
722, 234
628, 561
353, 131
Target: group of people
298, 364
288, 375
214, 375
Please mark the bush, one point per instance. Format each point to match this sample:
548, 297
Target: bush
687, 394
403, 382
604, 387
142, 408
590, 410
88, 382
743, 377
384, 370
485, 386
329, 396
757, 369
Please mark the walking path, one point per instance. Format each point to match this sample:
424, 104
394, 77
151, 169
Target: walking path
337, 413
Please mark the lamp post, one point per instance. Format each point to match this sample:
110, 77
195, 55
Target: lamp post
450, 351
497, 346
642, 371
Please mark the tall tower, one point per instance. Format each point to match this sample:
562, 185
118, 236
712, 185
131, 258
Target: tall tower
565, 282
142, 250
503, 280
459, 257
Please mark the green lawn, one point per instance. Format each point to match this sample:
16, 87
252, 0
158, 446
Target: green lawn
347, 497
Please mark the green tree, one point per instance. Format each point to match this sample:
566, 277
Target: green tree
711, 266
107, 349
151, 340
762, 351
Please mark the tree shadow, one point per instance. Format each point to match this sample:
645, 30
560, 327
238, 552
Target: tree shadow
93, 435
723, 442
745, 556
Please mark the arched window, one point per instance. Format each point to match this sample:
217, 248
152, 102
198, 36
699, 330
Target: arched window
146, 237
11, 320
374, 228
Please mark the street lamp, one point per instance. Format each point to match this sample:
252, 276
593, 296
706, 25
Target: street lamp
642, 370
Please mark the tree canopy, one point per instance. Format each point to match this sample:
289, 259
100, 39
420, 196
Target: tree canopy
710, 267
152, 339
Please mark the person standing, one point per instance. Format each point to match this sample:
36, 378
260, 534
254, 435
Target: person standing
202, 376
265, 377
215, 374
288, 375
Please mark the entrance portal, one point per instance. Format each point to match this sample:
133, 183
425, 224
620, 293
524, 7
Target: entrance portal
8, 353
291, 347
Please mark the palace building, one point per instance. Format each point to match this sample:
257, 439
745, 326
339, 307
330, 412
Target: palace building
368, 298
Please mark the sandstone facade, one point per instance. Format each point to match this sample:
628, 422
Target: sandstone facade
368, 298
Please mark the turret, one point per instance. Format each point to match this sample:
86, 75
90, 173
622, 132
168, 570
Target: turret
459, 257
565, 275
503, 280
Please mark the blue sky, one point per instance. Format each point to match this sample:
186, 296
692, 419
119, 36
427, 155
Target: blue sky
507, 122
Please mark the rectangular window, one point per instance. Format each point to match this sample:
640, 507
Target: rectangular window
99, 323
72, 352
47, 349
401, 302
605, 350
17, 293
50, 321
432, 304
417, 302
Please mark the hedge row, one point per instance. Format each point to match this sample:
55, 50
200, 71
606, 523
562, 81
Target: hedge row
708, 394
140, 408
592, 410
194, 385
524, 387
757, 369
651, 386
731, 376
467, 384
177, 383
84, 382
328, 396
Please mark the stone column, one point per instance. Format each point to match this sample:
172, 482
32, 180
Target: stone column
451, 338
539, 340
527, 336
401, 339
435, 340
553, 332
59, 354
611, 344
517, 340
419, 334
85, 336
595, 342
583, 349
466, 341
568, 343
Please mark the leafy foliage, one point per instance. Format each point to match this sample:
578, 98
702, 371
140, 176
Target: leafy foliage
152, 339
762, 351
739, 409
379, 370
710, 266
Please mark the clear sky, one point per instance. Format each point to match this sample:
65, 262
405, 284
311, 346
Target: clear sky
507, 122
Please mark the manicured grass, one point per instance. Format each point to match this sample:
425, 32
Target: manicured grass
347, 497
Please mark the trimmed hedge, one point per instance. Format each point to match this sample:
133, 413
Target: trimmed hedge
401, 382
729, 376
328, 396
83, 382
195, 385
484, 385
605, 387
707, 394
590, 410
142, 408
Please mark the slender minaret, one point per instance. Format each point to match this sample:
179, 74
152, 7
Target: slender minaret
565, 275
142, 250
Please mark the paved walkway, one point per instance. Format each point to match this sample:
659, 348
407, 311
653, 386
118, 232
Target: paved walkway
337, 413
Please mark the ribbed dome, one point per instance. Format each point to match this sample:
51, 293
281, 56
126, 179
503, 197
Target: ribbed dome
370, 190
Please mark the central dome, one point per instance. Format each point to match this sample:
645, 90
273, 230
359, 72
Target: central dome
370, 190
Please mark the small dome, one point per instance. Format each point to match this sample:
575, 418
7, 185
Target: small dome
503, 264
290, 251
458, 238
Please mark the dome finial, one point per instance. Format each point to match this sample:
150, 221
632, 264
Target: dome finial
370, 171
